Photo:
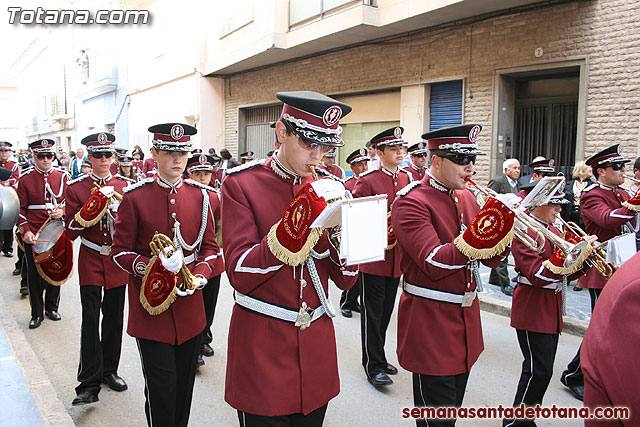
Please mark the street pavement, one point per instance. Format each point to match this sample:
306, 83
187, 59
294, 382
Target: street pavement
56, 347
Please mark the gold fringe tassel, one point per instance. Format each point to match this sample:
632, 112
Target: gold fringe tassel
285, 255
487, 253
565, 271
635, 208
154, 311
89, 223
49, 280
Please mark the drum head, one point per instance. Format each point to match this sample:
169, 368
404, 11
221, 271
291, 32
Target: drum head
47, 236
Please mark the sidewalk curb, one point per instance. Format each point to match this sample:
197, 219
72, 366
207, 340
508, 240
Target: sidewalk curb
570, 325
51, 408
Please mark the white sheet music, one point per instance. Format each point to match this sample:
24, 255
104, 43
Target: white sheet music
364, 230
621, 248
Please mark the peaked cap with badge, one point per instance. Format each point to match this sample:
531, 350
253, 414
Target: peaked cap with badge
172, 136
389, 137
200, 162
358, 156
455, 139
42, 146
99, 142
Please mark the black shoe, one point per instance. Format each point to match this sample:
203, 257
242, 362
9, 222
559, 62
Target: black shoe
206, 350
114, 382
35, 322
577, 289
52, 315
8, 254
356, 309
507, 290
577, 391
85, 398
390, 369
200, 361
16, 271
346, 312
24, 291
380, 379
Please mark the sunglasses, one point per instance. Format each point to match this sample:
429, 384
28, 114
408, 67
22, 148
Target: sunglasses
44, 156
617, 166
419, 155
310, 146
461, 159
106, 154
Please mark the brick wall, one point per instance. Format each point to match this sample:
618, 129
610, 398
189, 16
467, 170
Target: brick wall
606, 32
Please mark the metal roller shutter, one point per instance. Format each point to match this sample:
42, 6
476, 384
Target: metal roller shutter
445, 104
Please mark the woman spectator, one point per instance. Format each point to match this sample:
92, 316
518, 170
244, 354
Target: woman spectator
582, 178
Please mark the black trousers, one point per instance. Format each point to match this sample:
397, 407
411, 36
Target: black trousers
21, 264
169, 373
378, 299
572, 376
500, 274
99, 357
314, 419
437, 391
349, 298
7, 240
539, 351
38, 286
210, 297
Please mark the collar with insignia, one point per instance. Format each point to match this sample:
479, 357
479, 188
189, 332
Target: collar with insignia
389, 172
173, 188
101, 181
435, 183
284, 173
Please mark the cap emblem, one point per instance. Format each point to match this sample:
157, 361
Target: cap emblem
177, 132
619, 149
203, 159
397, 132
44, 143
102, 138
552, 163
363, 151
420, 145
473, 133
332, 115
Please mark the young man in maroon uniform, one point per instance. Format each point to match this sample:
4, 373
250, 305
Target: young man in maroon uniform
90, 214
359, 162
169, 339
380, 279
282, 364
537, 306
606, 214
328, 163
200, 169
150, 167
40, 191
435, 221
418, 155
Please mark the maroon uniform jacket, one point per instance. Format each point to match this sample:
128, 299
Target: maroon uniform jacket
604, 216
535, 308
350, 183
37, 191
149, 167
334, 170
113, 168
382, 181
436, 337
149, 206
611, 346
137, 166
416, 173
273, 367
15, 173
216, 179
94, 268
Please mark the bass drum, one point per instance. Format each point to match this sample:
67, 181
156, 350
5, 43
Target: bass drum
9, 208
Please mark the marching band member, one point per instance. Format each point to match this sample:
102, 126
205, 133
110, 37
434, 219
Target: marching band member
380, 279
282, 363
200, 169
328, 163
41, 191
418, 155
121, 154
359, 163
441, 237
608, 211
150, 167
5, 153
165, 315
91, 208
217, 173
246, 157
137, 162
125, 170
537, 306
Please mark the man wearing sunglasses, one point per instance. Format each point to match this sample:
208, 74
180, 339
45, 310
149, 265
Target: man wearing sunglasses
282, 364
608, 210
169, 339
439, 330
40, 192
328, 163
380, 279
102, 282
418, 155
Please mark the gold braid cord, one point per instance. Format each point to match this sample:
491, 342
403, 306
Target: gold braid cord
161, 308
577, 265
285, 255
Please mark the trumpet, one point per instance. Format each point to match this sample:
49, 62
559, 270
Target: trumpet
158, 243
574, 252
598, 258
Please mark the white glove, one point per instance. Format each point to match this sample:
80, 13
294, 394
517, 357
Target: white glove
509, 199
184, 293
174, 262
107, 190
329, 189
115, 205
202, 282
